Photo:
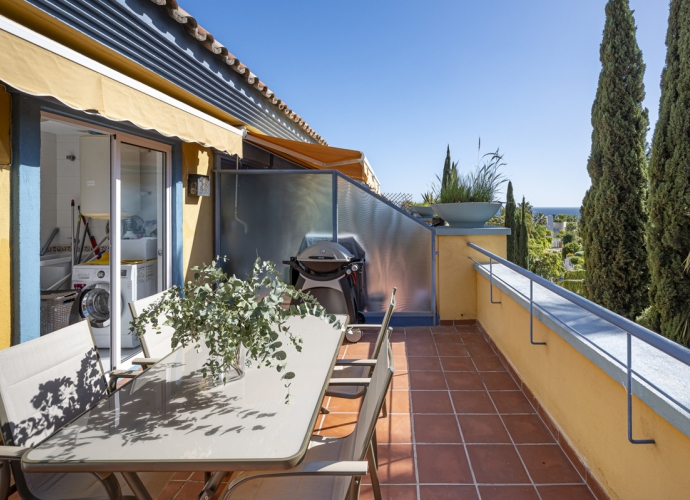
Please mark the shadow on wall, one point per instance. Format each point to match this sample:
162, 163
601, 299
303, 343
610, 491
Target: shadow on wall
197, 212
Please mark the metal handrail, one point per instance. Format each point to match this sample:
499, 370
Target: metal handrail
661, 343
336, 173
665, 345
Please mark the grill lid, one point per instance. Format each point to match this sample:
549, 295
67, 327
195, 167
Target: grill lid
325, 251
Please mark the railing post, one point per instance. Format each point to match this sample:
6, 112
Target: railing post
531, 314
334, 198
629, 387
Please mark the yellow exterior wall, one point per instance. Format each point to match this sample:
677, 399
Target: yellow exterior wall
589, 407
197, 212
456, 282
5, 226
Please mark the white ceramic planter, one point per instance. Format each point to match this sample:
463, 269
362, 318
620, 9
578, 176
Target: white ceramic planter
466, 214
422, 211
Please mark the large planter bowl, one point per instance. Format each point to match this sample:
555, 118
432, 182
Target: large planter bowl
422, 211
466, 214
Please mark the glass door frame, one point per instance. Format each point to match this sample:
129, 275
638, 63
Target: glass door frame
116, 139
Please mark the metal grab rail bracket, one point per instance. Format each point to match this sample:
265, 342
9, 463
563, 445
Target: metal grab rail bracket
629, 388
663, 344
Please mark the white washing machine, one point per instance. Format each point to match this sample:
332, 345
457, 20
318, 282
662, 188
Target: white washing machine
93, 304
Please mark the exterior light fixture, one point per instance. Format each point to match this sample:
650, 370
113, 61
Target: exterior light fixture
198, 185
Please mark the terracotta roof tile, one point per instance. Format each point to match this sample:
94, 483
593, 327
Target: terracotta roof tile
208, 40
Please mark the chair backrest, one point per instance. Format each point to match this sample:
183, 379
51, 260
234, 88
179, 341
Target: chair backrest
383, 332
371, 405
154, 344
47, 382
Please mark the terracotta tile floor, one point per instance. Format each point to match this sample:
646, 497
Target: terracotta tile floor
458, 427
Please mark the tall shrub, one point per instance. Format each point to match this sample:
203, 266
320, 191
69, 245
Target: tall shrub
446, 170
510, 222
613, 212
668, 234
522, 238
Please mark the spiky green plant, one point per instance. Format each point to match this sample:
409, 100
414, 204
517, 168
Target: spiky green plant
482, 185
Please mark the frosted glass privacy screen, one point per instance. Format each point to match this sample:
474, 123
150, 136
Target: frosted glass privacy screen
398, 249
277, 214
271, 216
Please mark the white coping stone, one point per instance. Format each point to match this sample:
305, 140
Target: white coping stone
606, 346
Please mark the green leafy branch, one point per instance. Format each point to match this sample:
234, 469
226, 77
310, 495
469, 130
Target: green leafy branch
228, 314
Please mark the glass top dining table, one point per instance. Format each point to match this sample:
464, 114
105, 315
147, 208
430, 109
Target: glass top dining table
170, 418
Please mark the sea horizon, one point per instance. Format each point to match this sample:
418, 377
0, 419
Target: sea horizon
557, 210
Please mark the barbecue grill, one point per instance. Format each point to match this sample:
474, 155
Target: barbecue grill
333, 275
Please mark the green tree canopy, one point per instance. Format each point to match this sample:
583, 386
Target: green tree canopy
613, 211
510, 222
668, 236
570, 248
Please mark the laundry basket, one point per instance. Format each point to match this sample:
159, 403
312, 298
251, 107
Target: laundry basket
55, 309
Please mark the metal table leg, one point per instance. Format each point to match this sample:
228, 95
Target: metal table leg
136, 485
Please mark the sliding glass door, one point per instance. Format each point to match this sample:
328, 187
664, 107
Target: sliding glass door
115, 241
140, 197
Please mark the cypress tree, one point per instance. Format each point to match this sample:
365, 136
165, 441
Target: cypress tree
510, 223
668, 234
613, 211
446, 169
522, 238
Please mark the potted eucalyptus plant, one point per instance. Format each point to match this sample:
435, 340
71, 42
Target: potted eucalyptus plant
469, 200
238, 321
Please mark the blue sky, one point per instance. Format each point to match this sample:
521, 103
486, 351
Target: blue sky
401, 79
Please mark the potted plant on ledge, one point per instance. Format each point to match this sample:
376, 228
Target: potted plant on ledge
469, 200
239, 321
423, 208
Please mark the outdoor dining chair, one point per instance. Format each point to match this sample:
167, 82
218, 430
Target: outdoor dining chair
333, 467
361, 368
45, 384
155, 346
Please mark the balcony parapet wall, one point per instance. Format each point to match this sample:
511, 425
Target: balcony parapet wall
456, 281
579, 377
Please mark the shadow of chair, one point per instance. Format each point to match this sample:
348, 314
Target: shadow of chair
45, 384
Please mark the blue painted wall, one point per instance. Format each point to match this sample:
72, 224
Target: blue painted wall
177, 200
26, 218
